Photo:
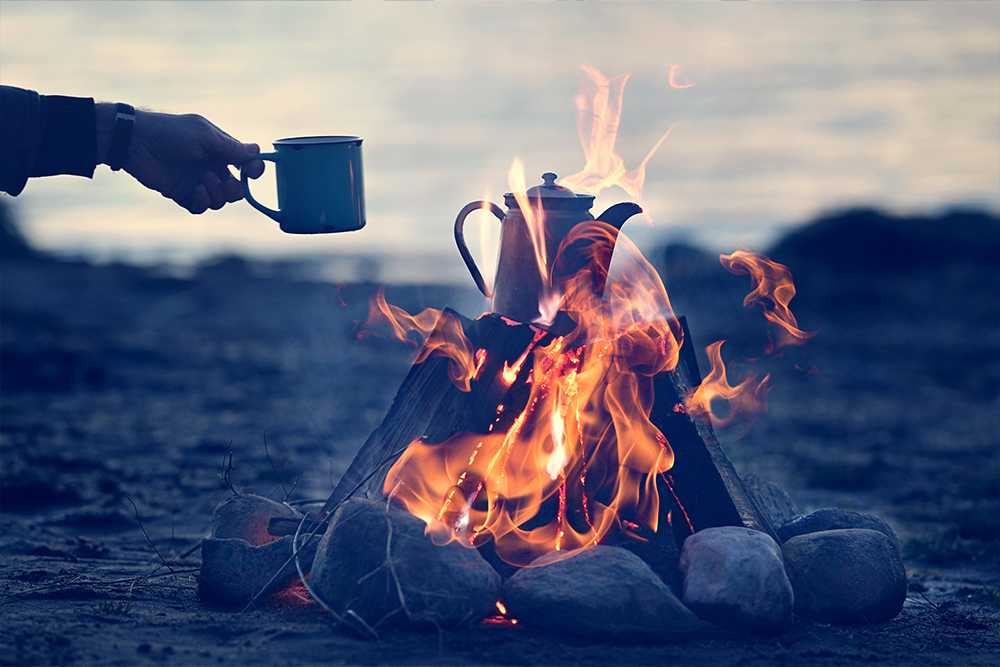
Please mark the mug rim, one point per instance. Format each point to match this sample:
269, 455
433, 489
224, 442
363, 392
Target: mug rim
318, 139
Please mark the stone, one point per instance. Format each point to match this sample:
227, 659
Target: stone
600, 593
735, 578
852, 575
233, 571
377, 562
773, 501
831, 518
246, 516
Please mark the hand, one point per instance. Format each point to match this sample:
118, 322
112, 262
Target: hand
183, 157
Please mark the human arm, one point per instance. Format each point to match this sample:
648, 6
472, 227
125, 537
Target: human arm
183, 157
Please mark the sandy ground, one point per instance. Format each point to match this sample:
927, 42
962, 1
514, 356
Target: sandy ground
124, 391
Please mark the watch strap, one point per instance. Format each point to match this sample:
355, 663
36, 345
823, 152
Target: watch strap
121, 135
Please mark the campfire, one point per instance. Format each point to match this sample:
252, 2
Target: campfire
554, 463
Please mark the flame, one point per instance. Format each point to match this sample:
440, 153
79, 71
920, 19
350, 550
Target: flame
534, 217
440, 331
510, 372
773, 289
599, 110
747, 398
673, 78
582, 454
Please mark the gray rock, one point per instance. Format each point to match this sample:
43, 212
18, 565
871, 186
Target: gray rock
233, 571
772, 500
846, 576
246, 516
834, 519
734, 577
380, 565
603, 593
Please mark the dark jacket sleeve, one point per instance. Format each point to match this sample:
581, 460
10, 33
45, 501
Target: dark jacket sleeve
44, 135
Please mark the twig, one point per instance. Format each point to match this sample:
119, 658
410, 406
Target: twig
227, 472
315, 596
149, 540
78, 580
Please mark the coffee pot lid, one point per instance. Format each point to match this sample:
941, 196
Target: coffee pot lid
549, 188
553, 196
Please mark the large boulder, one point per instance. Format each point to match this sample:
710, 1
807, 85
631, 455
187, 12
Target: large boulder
602, 593
377, 562
831, 518
853, 575
735, 577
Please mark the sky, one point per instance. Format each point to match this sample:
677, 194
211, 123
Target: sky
795, 110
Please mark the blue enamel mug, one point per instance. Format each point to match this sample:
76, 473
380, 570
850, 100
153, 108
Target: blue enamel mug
320, 185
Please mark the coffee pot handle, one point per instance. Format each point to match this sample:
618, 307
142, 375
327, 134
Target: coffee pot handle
463, 249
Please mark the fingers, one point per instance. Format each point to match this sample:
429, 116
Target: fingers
231, 188
213, 186
198, 201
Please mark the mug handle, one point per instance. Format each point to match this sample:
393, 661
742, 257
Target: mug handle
463, 249
244, 180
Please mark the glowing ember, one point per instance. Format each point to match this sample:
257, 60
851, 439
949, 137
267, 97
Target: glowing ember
500, 618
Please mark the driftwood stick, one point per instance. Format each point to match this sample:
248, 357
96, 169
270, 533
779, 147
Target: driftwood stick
703, 478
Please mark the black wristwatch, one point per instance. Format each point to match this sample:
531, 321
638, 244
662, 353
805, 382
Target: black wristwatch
121, 135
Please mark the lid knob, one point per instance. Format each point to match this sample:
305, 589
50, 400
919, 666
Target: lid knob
549, 189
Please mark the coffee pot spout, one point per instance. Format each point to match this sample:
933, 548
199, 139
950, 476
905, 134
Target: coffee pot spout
587, 250
617, 215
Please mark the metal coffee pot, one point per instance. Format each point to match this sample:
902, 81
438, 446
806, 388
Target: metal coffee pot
519, 286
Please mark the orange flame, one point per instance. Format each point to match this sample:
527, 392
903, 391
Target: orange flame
598, 120
747, 398
673, 78
773, 289
440, 331
582, 452
534, 217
